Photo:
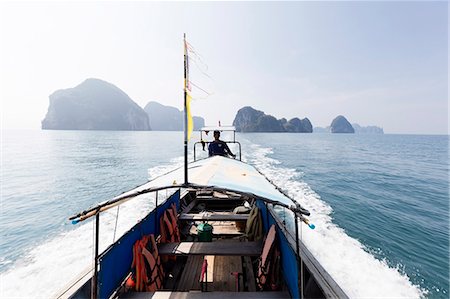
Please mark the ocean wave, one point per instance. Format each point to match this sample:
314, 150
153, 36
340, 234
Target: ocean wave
44, 270
349, 262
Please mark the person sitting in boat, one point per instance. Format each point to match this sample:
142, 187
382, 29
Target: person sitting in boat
219, 147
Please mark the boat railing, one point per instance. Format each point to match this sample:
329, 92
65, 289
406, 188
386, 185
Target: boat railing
287, 216
96, 211
228, 129
288, 223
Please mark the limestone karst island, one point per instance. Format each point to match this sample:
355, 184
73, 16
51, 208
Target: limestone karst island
98, 105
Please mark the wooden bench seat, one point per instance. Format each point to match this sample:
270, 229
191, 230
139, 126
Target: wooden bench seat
204, 295
211, 248
220, 199
216, 216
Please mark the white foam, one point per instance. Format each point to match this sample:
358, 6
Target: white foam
359, 273
46, 269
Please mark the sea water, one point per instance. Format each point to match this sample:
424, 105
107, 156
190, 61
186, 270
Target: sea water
379, 203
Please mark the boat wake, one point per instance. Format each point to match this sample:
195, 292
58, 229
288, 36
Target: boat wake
348, 261
47, 268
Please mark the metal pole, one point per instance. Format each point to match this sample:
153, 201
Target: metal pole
194, 153
297, 244
94, 287
156, 213
240, 153
302, 276
185, 114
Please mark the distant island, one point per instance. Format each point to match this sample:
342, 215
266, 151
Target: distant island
341, 125
94, 105
167, 118
249, 119
98, 105
367, 130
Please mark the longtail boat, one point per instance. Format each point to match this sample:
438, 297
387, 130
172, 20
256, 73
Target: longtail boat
222, 230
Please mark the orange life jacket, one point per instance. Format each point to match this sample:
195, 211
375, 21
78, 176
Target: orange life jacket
146, 264
169, 228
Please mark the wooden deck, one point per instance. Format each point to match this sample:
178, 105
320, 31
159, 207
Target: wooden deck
223, 280
223, 228
219, 276
211, 248
189, 280
230, 269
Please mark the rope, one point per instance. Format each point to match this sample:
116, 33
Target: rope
197, 55
200, 65
195, 85
199, 68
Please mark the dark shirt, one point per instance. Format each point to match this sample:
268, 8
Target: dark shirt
218, 147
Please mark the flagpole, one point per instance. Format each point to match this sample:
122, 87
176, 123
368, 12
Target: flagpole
185, 112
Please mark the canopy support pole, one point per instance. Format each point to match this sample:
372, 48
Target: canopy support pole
94, 287
299, 261
156, 213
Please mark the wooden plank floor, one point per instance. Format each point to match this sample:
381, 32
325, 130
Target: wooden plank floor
173, 275
191, 274
219, 275
249, 274
222, 228
223, 280
221, 284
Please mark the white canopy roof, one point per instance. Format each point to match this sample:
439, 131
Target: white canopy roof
218, 128
221, 172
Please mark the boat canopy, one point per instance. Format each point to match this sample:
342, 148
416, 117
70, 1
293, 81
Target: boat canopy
222, 172
218, 128
218, 172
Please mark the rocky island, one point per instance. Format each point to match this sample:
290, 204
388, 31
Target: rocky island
358, 129
367, 130
167, 118
251, 120
341, 125
94, 105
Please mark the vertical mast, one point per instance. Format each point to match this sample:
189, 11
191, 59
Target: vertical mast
186, 78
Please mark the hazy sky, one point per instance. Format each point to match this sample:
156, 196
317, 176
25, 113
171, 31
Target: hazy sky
377, 63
